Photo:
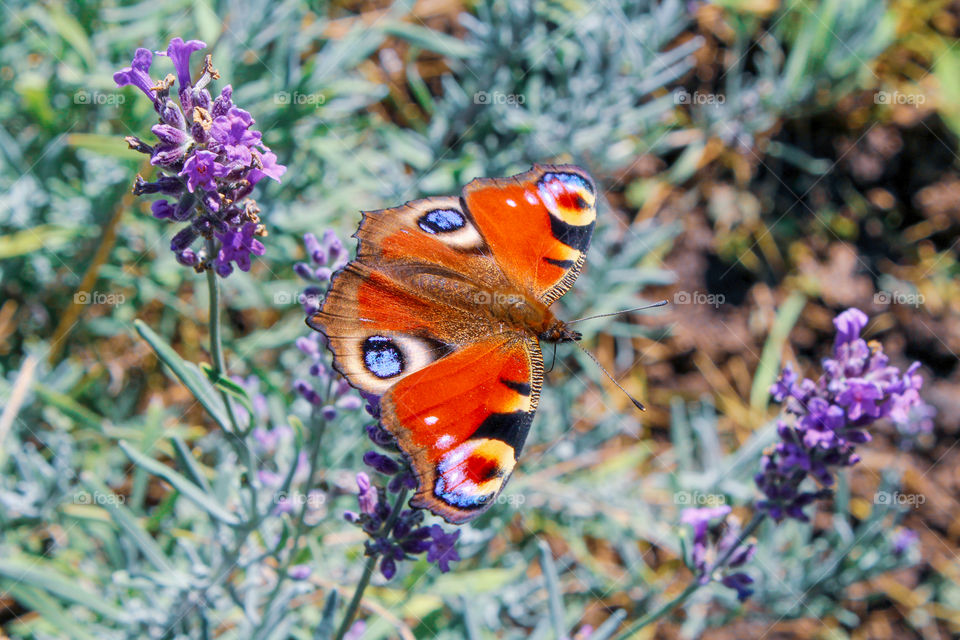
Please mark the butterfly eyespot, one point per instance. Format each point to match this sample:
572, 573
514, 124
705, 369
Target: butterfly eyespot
568, 180
472, 473
441, 221
382, 357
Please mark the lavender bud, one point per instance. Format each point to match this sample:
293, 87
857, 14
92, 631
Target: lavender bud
383, 464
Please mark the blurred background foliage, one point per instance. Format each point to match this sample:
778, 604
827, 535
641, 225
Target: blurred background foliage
787, 158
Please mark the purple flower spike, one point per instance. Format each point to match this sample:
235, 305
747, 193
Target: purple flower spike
826, 420
138, 74
206, 147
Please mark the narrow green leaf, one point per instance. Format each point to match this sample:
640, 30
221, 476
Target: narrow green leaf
49, 609
769, 365
126, 521
552, 580
113, 146
326, 628
46, 236
430, 40
228, 386
69, 407
40, 573
609, 626
188, 373
187, 461
189, 490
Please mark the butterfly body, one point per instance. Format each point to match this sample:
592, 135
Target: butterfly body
441, 315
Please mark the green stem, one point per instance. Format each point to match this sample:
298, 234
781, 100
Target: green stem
694, 586
238, 436
216, 343
384, 531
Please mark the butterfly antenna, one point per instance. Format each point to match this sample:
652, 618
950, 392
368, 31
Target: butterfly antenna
636, 403
617, 313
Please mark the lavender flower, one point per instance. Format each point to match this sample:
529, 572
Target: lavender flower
824, 421
711, 560
209, 158
324, 257
407, 537
904, 541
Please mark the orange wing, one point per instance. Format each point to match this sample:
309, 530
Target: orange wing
462, 422
538, 225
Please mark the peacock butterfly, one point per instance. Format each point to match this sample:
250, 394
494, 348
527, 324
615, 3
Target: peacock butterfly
441, 314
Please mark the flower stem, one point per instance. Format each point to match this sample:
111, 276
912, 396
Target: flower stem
216, 343
354, 605
692, 588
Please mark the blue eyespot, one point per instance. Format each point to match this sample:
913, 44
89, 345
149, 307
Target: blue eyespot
571, 180
460, 498
382, 357
441, 221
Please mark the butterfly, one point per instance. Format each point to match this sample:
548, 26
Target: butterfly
442, 313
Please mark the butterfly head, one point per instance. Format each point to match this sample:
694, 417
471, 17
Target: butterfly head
560, 332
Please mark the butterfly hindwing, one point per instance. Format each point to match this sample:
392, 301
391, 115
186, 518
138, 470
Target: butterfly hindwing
462, 422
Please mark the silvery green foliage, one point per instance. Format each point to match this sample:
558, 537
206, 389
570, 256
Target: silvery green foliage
805, 60
548, 80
